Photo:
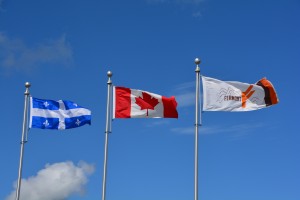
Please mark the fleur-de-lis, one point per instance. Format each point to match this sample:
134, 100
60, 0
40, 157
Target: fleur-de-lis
78, 122
46, 123
46, 104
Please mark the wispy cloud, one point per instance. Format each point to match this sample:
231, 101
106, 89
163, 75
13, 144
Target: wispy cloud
56, 181
197, 14
235, 130
158, 122
1, 5
194, 5
189, 1
183, 130
203, 130
185, 86
185, 94
186, 99
176, 1
16, 55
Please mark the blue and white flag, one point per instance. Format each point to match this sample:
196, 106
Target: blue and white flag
61, 114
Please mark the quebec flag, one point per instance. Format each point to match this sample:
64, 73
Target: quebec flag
61, 114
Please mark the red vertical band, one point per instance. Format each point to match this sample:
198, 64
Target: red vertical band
123, 102
170, 105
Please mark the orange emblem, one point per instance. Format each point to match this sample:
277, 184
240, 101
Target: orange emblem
246, 95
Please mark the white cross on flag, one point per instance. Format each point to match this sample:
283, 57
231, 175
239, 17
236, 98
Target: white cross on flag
131, 103
60, 115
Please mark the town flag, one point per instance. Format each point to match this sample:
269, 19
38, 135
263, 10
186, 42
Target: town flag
132, 103
61, 114
236, 96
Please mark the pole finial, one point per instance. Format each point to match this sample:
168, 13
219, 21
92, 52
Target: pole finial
109, 74
197, 62
27, 85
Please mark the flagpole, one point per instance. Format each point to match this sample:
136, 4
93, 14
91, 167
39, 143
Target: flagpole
107, 131
197, 124
23, 141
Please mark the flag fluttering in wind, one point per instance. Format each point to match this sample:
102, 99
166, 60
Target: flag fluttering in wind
132, 103
236, 96
61, 114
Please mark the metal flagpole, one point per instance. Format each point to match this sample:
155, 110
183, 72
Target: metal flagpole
197, 124
23, 141
107, 131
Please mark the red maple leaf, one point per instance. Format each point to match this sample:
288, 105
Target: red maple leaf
147, 102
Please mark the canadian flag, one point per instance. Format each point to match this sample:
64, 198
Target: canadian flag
132, 103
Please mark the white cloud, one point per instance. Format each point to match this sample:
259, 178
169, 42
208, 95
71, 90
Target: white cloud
55, 182
16, 55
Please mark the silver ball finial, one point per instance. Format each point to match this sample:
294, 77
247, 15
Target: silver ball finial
27, 84
109, 74
197, 61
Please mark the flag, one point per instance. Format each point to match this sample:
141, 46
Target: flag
236, 96
61, 114
132, 103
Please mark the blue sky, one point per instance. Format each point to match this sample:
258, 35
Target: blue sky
65, 48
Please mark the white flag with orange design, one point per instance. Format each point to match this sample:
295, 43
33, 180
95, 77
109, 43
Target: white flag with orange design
236, 96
